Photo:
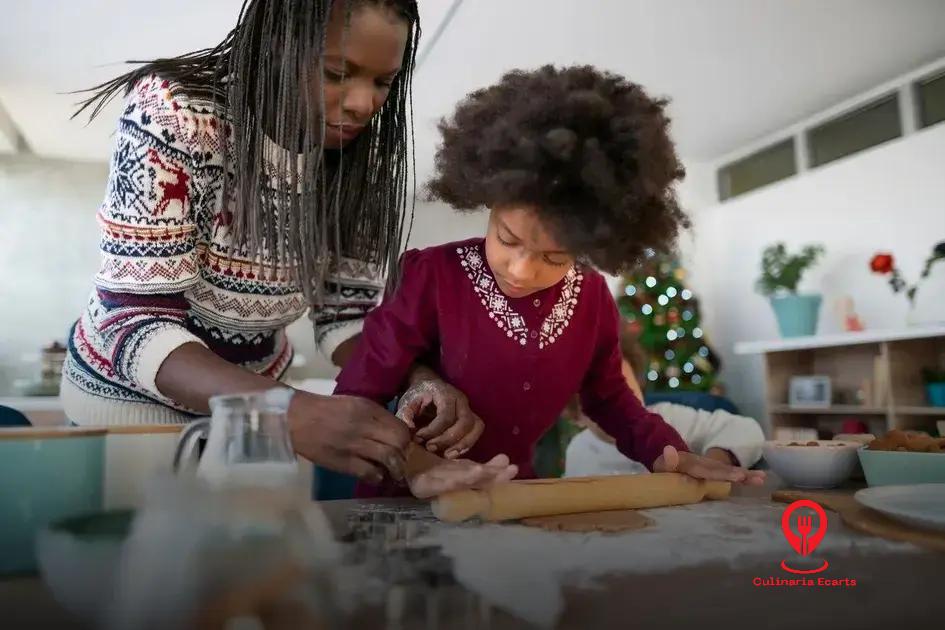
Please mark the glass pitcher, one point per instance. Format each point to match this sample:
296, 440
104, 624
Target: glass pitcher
247, 440
243, 524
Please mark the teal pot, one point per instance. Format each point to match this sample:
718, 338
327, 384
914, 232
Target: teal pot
935, 392
796, 314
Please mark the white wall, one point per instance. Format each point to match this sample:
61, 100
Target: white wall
48, 254
889, 198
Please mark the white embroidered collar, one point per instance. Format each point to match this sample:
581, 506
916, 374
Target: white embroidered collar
501, 312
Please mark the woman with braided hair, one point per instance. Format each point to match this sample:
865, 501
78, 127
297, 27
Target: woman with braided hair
251, 182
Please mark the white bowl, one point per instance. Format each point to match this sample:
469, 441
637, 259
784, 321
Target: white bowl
79, 558
823, 466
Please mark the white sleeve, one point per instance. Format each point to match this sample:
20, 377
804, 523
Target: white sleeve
703, 430
351, 291
589, 456
329, 336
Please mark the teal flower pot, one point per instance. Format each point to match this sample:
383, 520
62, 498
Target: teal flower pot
796, 314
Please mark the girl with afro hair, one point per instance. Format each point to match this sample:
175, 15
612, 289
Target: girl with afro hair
577, 170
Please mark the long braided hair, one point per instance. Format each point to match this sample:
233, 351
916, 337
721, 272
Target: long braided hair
302, 207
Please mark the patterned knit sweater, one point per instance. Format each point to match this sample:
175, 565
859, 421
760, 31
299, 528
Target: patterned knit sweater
166, 279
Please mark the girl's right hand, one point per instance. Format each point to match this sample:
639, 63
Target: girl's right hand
349, 434
454, 428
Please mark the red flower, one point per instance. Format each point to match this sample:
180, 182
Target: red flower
882, 263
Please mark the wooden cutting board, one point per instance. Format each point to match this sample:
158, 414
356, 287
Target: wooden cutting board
864, 519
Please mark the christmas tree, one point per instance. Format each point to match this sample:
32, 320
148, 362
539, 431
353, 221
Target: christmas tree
664, 315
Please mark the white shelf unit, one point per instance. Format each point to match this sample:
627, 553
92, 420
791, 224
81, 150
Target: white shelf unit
850, 359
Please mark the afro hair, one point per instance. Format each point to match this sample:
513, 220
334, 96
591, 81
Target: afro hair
587, 149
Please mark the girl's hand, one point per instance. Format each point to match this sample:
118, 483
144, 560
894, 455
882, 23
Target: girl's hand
454, 427
460, 474
721, 455
705, 468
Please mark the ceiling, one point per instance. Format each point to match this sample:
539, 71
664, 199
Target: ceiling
735, 69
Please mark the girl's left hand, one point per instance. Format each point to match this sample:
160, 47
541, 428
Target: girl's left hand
705, 468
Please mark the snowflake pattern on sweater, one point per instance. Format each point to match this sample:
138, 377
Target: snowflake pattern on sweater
166, 277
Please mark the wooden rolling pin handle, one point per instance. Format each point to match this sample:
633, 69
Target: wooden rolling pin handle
541, 497
717, 490
455, 507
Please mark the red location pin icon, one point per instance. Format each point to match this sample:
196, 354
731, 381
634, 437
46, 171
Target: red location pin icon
796, 540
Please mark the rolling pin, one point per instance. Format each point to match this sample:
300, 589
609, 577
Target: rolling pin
545, 497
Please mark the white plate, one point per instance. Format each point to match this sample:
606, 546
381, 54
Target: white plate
922, 505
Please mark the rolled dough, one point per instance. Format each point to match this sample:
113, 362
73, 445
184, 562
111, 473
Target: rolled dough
609, 522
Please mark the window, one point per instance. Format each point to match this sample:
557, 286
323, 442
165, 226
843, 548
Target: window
864, 125
855, 131
765, 167
930, 98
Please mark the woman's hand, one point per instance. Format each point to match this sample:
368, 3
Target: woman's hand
349, 434
460, 474
705, 468
454, 427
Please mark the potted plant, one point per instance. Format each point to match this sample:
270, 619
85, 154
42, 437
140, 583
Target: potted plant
884, 264
780, 274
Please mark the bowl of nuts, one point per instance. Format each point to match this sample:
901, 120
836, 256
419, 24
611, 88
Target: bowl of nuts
812, 464
904, 458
